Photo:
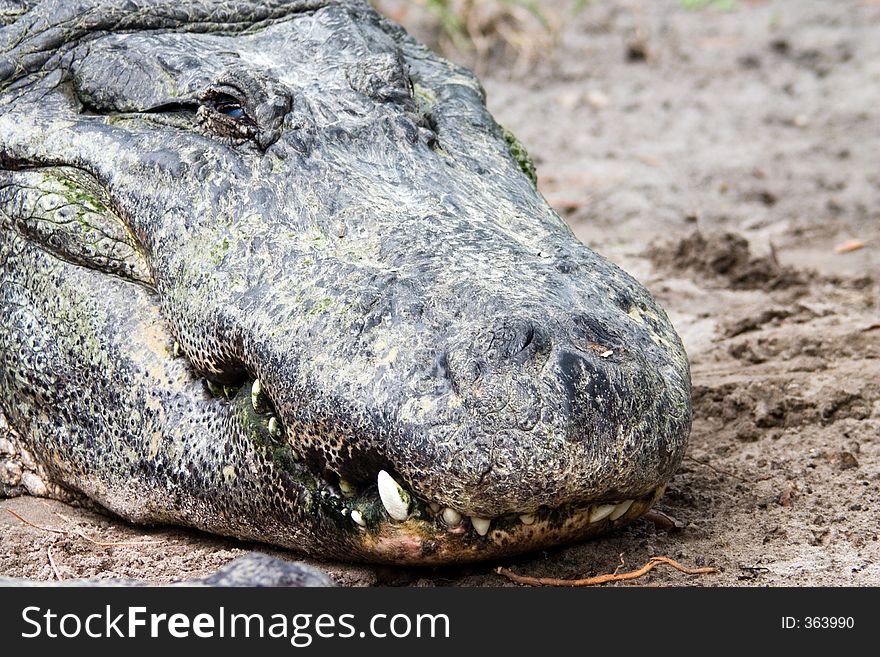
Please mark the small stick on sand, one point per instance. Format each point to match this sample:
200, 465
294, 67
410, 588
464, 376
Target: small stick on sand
52, 563
662, 520
30, 524
716, 469
77, 532
603, 579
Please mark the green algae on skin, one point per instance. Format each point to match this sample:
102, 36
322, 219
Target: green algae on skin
521, 155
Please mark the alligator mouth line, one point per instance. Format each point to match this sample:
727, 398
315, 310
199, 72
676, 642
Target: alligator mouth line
392, 521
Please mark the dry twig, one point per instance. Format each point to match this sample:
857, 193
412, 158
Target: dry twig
718, 470
604, 579
662, 520
30, 524
52, 563
849, 246
77, 532
621, 563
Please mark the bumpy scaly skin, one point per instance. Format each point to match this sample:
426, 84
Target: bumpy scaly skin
300, 194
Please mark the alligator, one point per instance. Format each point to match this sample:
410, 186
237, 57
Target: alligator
270, 269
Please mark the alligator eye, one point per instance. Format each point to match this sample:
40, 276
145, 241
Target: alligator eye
223, 112
232, 110
226, 105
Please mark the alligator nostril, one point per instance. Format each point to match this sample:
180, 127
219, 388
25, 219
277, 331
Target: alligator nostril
522, 339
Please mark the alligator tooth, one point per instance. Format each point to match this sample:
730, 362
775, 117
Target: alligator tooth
358, 517
394, 498
600, 511
274, 427
451, 517
256, 394
527, 518
620, 509
347, 488
481, 525
176, 351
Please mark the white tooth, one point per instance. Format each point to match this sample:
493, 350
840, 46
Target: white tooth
394, 498
451, 517
274, 427
256, 391
600, 511
435, 508
620, 509
527, 518
358, 517
481, 525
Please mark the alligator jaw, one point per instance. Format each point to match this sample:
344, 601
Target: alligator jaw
383, 521
426, 539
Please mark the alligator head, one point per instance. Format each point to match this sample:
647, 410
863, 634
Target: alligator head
271, 269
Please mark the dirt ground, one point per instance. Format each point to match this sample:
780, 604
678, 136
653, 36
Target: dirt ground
720, 156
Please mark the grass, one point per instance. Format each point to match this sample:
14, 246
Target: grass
475, 26
696, 5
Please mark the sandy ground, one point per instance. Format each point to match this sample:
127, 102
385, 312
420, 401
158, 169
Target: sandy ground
720, 156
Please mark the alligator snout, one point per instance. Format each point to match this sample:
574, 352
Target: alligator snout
483, 400
547, 412
487, 384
